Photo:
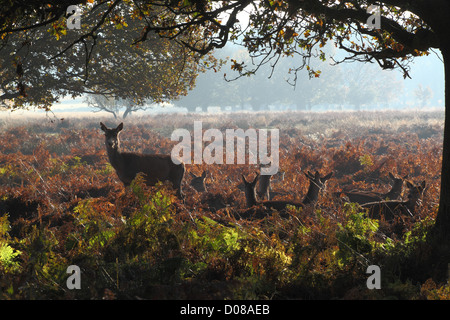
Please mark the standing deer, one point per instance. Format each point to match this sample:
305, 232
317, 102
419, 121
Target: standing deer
363, 197
155, 167
315, 185
390, 209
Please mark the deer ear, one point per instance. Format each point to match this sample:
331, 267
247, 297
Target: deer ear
119, 127
256, 178
423, 185
204, 174
243, 179
328, 176
391, 175
103, 127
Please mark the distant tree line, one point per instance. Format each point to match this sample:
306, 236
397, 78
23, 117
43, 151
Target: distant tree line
335, 86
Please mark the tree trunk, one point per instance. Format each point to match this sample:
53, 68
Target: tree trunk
442, 226
126, 112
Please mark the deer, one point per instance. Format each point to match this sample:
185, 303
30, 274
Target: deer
362, 197
316, 184
264, 188
389, 209
198, 182
155, 167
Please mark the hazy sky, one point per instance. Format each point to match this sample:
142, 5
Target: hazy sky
428, 71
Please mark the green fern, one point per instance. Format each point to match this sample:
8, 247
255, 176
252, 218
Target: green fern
8, 258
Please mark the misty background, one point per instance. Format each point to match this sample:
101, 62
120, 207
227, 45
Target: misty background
345, 86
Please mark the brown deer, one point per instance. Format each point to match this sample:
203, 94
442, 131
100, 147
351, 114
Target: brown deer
155, 167
390, 209
363, 197
315, 185
198, 182
264, 187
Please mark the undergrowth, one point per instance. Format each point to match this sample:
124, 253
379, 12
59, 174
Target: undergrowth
61, 205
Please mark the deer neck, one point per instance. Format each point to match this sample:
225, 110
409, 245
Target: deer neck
410, 204
395, 191
264, 183
114, 155
313, 193
250, 196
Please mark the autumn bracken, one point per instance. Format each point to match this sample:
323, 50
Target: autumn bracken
62, 206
